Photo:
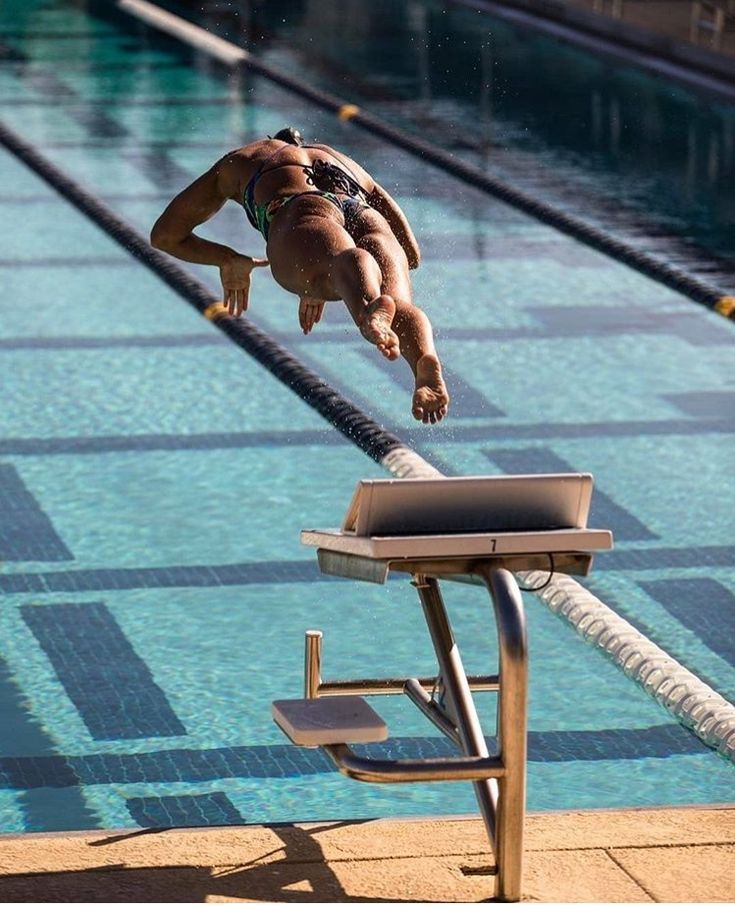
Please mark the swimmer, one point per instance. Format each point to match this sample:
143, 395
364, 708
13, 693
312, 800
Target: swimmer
332, 233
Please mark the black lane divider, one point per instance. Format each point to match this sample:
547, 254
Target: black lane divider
340, 412
723, 302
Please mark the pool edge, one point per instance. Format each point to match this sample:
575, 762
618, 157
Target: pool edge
633, 855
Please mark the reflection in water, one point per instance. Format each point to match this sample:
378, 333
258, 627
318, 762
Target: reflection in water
601, 138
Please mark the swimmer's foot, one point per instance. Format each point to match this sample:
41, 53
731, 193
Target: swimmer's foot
376, 326
430, 399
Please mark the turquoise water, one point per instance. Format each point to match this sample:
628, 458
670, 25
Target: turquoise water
154, 479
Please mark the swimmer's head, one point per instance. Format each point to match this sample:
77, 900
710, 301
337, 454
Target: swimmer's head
290, 135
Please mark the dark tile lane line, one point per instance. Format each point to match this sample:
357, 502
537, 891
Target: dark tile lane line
56, 94
703, 606
184, 811
110, 685
26, 532
287, 761
213, 338
684, 326
171, 577
307, 571
448, 436
705, 404
22, 731
205, 441
67, 261
605, 512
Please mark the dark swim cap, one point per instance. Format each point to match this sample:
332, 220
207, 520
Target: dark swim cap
290, 135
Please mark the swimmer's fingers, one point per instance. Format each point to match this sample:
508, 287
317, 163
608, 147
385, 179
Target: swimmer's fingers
314, 315
310, 312
237, 299
303, 316
243, 297
232, 301
235, 276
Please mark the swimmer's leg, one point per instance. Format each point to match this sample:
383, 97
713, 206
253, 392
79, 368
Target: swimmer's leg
312, 254
357, 278
410, 323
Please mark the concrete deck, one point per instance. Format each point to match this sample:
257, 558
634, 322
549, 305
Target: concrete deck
669, 855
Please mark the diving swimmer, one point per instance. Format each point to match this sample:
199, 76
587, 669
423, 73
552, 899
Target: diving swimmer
332, 233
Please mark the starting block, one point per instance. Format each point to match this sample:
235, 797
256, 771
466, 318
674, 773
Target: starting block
470, 529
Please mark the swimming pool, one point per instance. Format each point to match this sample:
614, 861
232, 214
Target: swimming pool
154, 591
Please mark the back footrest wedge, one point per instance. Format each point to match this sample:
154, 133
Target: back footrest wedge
331, 719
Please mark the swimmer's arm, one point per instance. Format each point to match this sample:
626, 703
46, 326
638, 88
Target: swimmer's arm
173, 232
398, 222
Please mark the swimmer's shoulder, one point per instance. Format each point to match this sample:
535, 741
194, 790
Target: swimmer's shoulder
234, 169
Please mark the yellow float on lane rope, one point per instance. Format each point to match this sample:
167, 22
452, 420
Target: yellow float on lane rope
215, 310
725, 305
347, 111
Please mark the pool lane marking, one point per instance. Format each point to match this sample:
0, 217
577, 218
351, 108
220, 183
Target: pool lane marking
110, 685
269, 573
687, 284
283, 760
26, 531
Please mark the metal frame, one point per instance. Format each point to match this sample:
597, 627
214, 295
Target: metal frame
499, 781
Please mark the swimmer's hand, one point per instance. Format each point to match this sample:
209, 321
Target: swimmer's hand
235, 275
310, 312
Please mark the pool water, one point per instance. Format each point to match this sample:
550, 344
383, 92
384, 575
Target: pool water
154, 479
619, 147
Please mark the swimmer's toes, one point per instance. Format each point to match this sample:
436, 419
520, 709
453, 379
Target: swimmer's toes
430, 399
376, 326
390, 347
430, 404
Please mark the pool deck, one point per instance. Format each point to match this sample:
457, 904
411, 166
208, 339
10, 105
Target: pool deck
670, 855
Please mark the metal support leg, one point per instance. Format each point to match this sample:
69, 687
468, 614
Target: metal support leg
512, 724
461, 704
501, 801
312, 663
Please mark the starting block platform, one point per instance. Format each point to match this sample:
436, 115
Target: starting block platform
471, 529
